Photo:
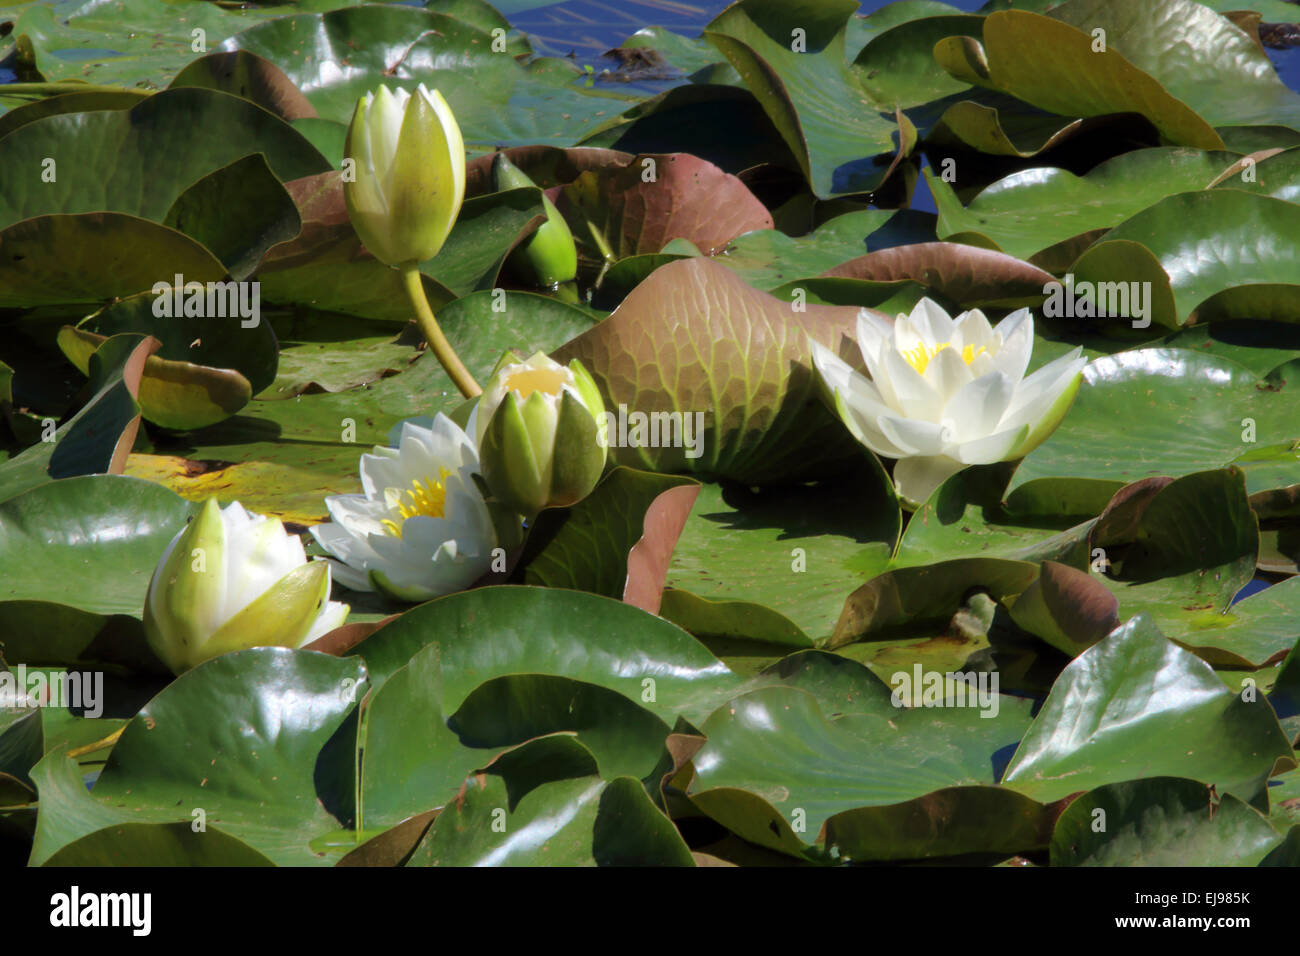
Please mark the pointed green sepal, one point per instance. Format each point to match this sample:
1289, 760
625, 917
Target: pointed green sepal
510, 467
186, 595
281, 617
579, 458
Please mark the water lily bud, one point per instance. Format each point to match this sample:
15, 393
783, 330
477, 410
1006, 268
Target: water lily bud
410, 173
549, 253
948, 392
541, 434
231, 580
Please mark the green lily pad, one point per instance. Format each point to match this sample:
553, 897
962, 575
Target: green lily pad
329, 352
878, 755
486, 229
1212, 242
237, 738
1250, 633
952, 822
1161, 821
148, 44
1183, 559
245, 345
965, 517
173, 394
98, 438
403, 774
21, 746
69, 103
1259, 346
95, 256
238, 213
768, 258
1137, 706
793, 550
157, 844
897, 66
1055, 67
105, 532
1198, 56
1033, 209
496, 100
1184, 409
580, 821
808, 94
587, 546
152, 148
491, 632
251, 77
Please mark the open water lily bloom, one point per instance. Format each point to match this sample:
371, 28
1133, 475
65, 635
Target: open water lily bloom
421, 528
944, 392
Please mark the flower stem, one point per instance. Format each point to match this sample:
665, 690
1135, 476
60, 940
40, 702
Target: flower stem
451, 362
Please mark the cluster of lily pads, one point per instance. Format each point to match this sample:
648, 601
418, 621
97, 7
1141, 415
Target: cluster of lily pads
948, 572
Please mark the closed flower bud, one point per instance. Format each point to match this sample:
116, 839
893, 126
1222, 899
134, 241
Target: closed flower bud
410, 174
542, 434
548, 254
231, 580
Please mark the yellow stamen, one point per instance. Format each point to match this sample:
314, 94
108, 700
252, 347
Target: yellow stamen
531, 380
423, 498
920, 356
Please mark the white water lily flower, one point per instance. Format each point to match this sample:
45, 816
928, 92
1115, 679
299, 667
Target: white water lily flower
230, 580
421, 528
945, 393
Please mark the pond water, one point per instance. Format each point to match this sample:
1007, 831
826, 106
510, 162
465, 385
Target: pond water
585, 29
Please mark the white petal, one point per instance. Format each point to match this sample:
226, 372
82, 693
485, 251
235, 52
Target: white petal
996, 447
349, 548
977, 408
834, 370
915, 437
973, 329
380, 469
351, 578
947, 373
1037, 392
917, 478
932, 322
1017, 332
255, 560
357, 514
332, 615
875, 333
413, 581
908, 338
862, 420
915, 396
